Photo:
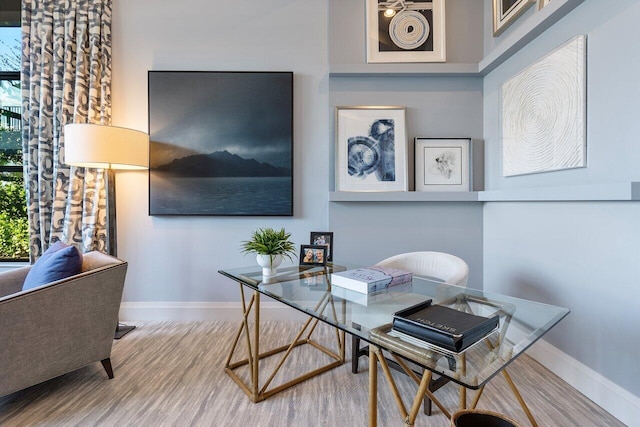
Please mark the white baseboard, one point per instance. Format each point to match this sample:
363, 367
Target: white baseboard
614, 399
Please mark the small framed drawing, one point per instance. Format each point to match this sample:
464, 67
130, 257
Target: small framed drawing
371, 149
313, 255
448, 164
543, 3
323, 238
507, 11
412, 31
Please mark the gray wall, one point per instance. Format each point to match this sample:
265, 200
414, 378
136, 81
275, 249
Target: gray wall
582, 255
436, 107
176, 259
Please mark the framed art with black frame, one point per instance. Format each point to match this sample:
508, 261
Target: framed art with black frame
405, 31
221, 143
448, 164
371, 149
323, 238
507, 11
313, 255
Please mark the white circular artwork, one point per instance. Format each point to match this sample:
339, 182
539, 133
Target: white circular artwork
543, 113
409, 29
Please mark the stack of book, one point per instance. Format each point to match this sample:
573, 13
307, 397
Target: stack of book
442, 326
370, 279
372, 298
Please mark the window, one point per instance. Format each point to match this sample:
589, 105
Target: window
14, 228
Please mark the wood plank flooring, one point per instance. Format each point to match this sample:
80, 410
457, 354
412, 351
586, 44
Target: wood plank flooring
171, 374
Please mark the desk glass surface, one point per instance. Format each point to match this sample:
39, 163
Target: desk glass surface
308, 289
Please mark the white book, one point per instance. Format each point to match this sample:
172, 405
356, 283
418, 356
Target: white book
372, 297
367, 280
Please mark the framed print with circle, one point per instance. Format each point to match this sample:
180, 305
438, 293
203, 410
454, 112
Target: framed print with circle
448, 164
405, 31
371, 149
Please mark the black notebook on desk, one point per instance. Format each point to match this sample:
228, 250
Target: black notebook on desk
443, 326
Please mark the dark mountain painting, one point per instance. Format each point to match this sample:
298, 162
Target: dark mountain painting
221, 143
221, 164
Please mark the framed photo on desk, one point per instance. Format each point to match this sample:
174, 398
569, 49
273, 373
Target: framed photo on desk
313, 255
323, 238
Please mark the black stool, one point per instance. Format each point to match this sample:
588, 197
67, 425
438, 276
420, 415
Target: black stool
480, 418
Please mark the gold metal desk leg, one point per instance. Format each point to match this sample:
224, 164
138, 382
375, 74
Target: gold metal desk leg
375, 356
256, 342
250, 384
463, 389
373, 386
518, 396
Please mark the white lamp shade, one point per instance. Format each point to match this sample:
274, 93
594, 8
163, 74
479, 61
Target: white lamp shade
105, 147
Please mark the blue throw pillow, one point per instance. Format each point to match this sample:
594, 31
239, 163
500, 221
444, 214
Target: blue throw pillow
57, 262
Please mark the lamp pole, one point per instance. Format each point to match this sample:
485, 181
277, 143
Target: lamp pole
107, 147
112, 233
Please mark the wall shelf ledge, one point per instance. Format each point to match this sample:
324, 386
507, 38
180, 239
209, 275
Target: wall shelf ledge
624, 191
448, 69
403, 196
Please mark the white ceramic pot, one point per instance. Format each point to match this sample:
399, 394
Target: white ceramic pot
269, 263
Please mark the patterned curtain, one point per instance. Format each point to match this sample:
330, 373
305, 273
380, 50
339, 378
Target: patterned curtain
66, 78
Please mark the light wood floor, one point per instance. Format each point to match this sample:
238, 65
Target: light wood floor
171, 374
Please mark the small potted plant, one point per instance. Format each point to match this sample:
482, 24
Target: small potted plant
270, 247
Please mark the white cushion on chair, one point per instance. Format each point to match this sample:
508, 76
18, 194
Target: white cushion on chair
438, 265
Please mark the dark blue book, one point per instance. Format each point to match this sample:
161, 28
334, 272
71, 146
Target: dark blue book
444, 326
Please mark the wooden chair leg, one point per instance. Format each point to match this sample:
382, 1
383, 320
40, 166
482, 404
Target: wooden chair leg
106, 364
355, 353
427, 406
434, 384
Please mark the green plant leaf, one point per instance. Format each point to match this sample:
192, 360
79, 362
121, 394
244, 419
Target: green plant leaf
267, 241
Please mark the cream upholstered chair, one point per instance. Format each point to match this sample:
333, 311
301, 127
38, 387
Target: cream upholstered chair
436, 265
60, 326
440, 266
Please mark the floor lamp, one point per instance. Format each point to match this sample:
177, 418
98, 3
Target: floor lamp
110, 148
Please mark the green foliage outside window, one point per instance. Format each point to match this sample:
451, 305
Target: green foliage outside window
14, 236
14, 226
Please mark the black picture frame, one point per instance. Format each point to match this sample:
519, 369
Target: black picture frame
313, 255
323, 238
220, 143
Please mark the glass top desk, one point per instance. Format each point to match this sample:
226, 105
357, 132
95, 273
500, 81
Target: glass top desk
368, 317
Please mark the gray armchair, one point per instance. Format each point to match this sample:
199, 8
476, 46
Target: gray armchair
59, 327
